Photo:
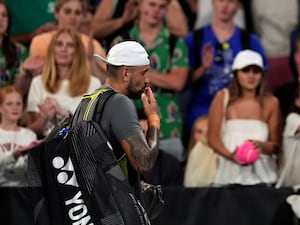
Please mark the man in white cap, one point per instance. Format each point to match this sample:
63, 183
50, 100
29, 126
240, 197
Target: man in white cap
127, 67
94, 186
168, 68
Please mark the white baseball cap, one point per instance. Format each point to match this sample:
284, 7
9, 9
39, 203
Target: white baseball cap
127, 53
246, 58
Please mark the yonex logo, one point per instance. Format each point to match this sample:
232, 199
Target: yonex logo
77, 210
66, 173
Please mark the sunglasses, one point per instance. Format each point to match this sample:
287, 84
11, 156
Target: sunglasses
220, 48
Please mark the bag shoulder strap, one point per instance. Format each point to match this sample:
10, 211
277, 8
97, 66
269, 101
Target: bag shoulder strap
197, 41
172, 43
245, 39
225, 104
95, 100
226, 97
88, 104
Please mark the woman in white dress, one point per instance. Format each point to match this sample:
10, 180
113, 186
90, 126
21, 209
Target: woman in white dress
13, 139
250, 114
64, 80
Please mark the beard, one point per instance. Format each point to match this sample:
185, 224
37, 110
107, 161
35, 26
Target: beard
134, 94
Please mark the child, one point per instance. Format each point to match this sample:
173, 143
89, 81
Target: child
199, 131
13, 139
202, 161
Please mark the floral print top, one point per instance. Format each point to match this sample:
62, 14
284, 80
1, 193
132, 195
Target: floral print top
7, 76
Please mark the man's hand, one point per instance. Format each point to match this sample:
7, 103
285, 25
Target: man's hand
151, 108
130, 11
34, 64
90, 49
149, 102
207, 55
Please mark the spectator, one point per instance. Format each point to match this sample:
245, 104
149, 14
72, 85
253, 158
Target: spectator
274, 32
68, 13
288, 175
88, 14
199, 131
112, 20
12, 54
252, 115
13, 138
39, 18
169, 69
211, 52
60, 87
286, 92
202, 162
205, 14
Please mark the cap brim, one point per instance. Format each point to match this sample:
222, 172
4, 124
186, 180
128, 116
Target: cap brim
101, 59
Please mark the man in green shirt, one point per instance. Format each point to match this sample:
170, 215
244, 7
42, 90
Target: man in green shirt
169, 70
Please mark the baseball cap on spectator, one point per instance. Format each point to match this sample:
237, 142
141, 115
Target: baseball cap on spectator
127, 53
247, 58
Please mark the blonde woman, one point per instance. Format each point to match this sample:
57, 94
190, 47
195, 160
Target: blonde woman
65, 78
69, 14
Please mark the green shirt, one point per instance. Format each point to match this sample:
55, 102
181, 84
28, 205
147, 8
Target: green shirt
7, 76
162, 61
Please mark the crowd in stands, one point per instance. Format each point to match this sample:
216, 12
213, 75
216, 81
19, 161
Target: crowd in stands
200, 51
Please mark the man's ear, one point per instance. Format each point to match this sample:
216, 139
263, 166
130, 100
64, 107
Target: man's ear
125, 74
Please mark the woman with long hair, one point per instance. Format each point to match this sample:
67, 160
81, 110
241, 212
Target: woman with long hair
64, 80
12, 54
250, 117
69, 13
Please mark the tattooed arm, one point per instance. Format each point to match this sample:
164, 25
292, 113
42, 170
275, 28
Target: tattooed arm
142, 150
140, 154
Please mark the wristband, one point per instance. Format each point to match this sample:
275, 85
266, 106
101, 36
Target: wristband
153, 120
